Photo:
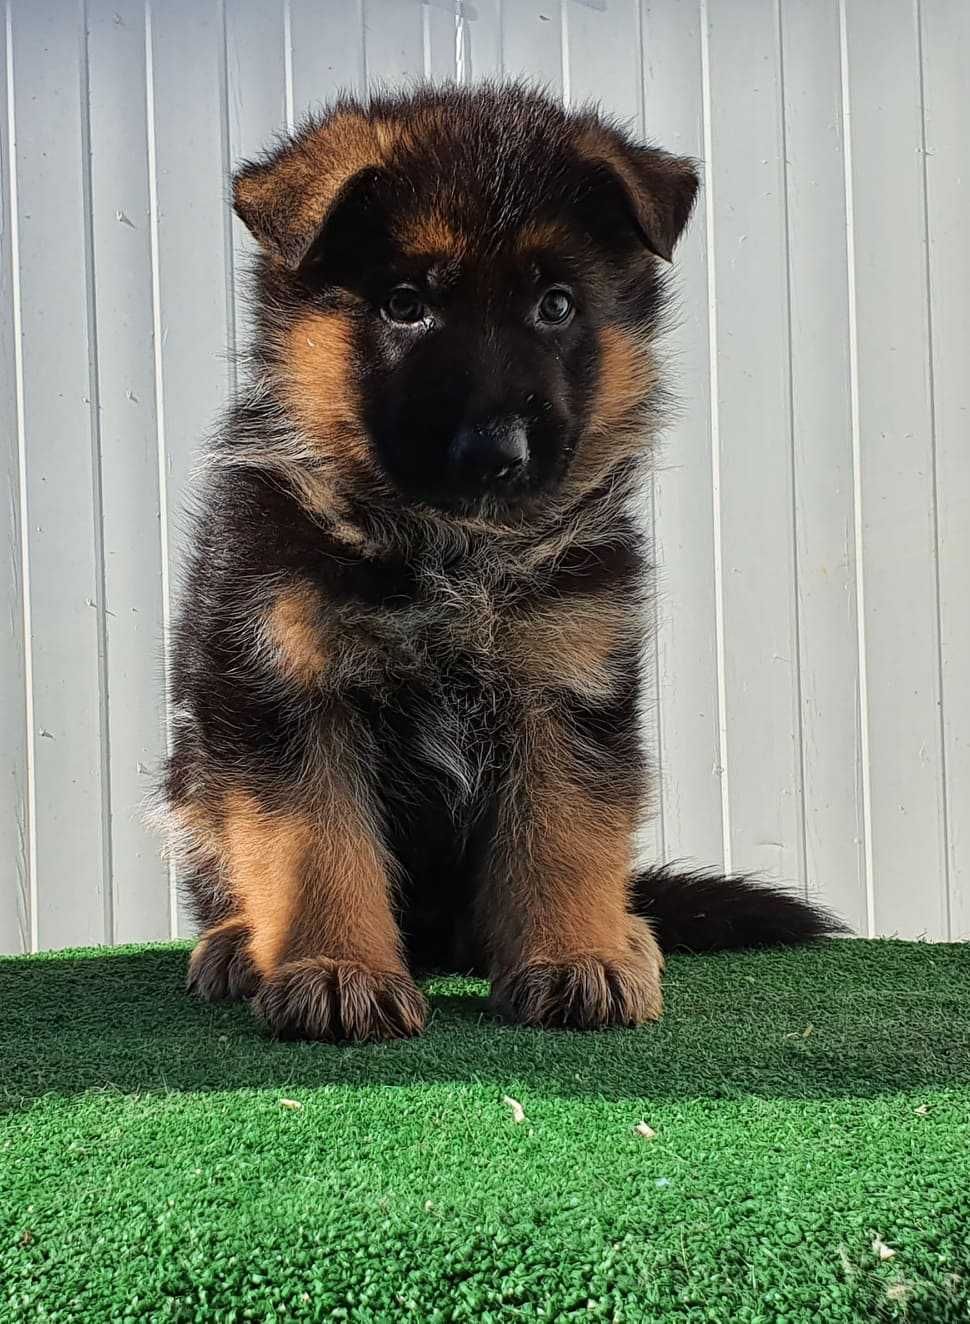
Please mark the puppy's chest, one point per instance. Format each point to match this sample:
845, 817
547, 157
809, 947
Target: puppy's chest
462, 617
508, 636
494, 636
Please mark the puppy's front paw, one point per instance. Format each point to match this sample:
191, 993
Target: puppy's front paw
586, 990
317, 998
219, 966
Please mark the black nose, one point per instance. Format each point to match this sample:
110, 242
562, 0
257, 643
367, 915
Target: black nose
491, 453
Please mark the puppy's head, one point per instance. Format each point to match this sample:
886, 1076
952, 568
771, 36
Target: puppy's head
459, 290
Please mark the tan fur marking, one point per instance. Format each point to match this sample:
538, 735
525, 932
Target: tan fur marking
558, 921
293, 628
583, 853
268, 856
347, 914
570, 854
542, 235
570, 644
627, 374
310, 884
431, 236
315, 371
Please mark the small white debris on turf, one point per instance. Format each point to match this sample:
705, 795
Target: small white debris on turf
900, 1291
662, 1181
922, 1110
882, 1250
292, 1104
642, 1129
848, 1268
518, 1112
428, 1206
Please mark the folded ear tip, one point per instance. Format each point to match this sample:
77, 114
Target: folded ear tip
245, 187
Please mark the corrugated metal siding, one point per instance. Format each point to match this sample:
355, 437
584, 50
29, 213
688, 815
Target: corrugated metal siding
811, 696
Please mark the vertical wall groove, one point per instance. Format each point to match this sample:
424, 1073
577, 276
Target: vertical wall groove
288, 65
362, 22
797, 625
227, 163
151, 147
461, 44
653, 607
29, 901
715, 438
426, 39
97, 498
941, 701
857, 473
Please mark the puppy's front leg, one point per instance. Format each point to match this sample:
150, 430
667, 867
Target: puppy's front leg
312, 895
564, 949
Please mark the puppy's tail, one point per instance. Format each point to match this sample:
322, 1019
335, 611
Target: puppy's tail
697, 911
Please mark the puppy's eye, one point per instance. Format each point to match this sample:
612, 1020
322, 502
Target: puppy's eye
555, 307
405, 305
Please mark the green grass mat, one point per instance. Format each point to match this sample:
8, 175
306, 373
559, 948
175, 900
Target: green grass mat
810, 1107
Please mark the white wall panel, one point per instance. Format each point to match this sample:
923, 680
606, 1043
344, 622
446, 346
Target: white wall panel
62, 438
326, 51
825, 544
394, 42
532, 40
132, 544
757, 588
688, 744
598, 54
897, 535
945, 42
16, 863
192, 259
810, 684
482, 39
256, 83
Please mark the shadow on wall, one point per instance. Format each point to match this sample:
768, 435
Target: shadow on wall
883, 1016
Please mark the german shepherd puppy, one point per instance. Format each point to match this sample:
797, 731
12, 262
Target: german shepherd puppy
406, 670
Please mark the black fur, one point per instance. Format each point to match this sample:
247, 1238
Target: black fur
696, 910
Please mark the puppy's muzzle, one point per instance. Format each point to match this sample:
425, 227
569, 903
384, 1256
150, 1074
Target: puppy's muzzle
491, 455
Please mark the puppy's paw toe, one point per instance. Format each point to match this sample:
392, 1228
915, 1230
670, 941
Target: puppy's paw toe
584, 990
318, 998
220, 968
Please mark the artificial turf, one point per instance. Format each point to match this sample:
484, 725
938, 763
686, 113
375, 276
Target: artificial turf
811, 1110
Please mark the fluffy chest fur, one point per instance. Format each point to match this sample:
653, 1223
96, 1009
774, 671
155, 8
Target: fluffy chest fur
472, 622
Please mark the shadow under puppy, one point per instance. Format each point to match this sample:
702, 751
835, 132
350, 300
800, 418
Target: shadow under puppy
406, 669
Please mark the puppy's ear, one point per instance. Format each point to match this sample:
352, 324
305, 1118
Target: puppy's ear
286, 197
659, 189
